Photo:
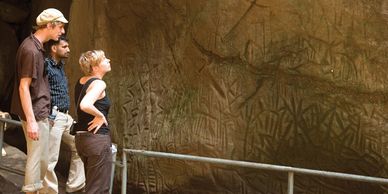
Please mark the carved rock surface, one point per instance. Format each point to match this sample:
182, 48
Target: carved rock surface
12, 14
299, 83
8, 49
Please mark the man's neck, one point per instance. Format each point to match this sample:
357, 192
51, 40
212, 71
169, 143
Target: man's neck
56, 59
41, 36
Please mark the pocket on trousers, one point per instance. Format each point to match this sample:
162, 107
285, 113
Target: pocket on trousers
107, 152
94, 144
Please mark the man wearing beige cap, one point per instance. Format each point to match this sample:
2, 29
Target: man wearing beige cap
31, 96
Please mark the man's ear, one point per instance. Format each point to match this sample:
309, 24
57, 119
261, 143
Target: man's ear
50, 25
53, 48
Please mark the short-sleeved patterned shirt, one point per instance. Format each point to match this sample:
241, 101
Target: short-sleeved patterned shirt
58, 84
30, 63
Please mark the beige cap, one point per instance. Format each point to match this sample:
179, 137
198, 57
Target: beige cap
50, 15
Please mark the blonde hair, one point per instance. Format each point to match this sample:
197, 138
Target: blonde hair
89, 59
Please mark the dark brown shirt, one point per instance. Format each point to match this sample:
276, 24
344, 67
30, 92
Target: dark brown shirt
30, 63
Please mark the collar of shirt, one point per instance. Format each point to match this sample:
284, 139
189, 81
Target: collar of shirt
52, 62
37, 43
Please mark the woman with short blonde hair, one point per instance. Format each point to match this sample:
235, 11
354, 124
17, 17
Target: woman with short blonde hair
92, 138
90, 59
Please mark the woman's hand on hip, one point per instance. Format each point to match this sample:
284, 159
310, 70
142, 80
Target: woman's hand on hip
96, 123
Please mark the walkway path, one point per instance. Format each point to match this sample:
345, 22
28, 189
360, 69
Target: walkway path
12, 172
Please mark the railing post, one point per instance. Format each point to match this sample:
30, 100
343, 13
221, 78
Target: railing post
290, 187
114, 151
2, 129
124, 174
1, 138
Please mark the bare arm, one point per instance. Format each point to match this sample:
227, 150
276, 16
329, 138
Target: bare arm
93, 93
25, 98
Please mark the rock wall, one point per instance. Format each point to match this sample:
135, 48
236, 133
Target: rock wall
12, 15
300, 83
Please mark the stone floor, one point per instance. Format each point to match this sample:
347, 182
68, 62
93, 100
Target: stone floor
12, 172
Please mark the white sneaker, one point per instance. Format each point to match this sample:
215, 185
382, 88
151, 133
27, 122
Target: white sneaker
3, 153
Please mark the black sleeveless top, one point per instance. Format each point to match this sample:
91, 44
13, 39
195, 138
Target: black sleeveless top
84, 118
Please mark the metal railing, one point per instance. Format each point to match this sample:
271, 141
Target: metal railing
4, 126
290, 170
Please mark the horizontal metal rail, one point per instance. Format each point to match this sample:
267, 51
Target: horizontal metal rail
2, 128
10, 121
290, 170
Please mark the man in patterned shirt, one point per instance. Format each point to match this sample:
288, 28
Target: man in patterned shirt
60, 124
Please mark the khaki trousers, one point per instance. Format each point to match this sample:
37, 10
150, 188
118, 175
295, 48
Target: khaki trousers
60, 132
37, 157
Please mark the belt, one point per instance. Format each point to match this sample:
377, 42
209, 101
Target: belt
88, 132
63, 110
79, 132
